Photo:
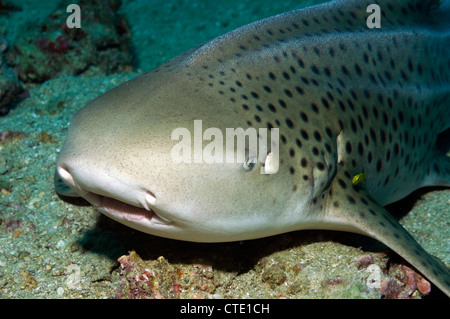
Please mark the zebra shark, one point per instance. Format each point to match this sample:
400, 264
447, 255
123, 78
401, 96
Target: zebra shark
361, 114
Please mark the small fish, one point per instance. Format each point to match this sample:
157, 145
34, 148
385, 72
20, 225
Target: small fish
344, 99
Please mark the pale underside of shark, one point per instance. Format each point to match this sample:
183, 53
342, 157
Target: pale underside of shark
347, 101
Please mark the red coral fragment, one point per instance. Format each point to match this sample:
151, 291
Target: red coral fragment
364, 261
13, 224
176, 288
403, 283
59, 45
11, 136
423, 285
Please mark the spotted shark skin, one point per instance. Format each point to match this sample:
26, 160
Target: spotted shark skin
347, 100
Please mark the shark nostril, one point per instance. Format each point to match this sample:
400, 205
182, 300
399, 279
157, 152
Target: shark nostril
62, 182
65, 175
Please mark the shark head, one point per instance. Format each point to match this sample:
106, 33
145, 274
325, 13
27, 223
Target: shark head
123, 155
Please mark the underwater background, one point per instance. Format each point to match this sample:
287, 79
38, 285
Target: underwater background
53, 249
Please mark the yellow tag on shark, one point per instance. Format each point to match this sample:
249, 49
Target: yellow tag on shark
358, 178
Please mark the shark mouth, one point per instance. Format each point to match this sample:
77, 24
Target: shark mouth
134, 212
122, 211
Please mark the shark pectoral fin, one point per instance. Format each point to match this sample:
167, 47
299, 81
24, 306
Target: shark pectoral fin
350, 208
62, 189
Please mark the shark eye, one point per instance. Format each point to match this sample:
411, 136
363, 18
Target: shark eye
249, 163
